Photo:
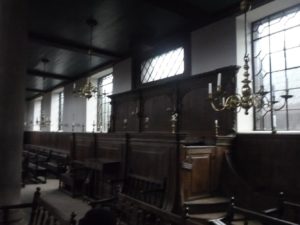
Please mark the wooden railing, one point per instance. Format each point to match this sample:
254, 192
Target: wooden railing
41, 212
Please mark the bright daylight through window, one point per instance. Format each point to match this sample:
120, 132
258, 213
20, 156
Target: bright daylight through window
276, 54
98, 107
57, 104
165, 65
105, 86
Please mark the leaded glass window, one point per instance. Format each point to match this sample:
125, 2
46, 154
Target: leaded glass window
105, 86
276, 68
57, 104
60, 109
168, 64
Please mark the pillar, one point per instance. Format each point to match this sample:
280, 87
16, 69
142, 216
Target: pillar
13, 57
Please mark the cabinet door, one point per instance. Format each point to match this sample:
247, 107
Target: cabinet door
196, 176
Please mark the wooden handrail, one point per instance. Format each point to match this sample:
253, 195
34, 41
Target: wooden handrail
292, 204
262, 217
16, 206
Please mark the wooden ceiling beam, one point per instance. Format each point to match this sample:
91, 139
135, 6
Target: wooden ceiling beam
235, 9
35, 90
71, 46
38, 73
182, 8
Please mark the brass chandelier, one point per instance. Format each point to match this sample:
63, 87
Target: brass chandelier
247, 99
88, 90
44, 121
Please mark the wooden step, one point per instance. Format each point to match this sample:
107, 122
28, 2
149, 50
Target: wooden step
250, 222
208, 201
207, 205
207, 216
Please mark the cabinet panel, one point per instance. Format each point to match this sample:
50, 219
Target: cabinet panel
150, 108
125, 111
197, 171
157, 113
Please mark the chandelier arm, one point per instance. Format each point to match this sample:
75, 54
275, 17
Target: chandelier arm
216, 108
233, 101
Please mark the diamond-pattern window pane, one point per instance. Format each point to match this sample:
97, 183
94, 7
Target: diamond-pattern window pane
165, 65
276, 53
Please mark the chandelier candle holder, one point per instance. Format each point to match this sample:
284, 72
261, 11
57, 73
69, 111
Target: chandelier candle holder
246, 99
174, 119
88, 90
94, 126
44, 121
217, 128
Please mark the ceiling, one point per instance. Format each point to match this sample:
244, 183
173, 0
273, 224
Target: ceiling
59, 32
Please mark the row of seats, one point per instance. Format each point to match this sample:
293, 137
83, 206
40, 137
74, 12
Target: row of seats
40, 161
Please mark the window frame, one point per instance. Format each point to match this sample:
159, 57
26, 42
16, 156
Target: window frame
100, 111
269, 18
91, 120
162, 47
37, 103
56, 94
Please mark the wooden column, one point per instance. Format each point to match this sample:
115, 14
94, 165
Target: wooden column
13, 39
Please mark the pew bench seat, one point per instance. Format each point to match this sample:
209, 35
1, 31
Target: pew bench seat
41, 212
37, 172
42, 161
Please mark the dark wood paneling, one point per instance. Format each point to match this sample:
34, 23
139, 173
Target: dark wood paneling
187, 97
197, 115
57, 141
155, 156
110, 145
84, 146
126, 113
157, 106
270, 163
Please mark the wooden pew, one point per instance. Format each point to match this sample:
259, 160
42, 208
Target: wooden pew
130, 211
285, 209
39, 161
73, 179
41, 212
35, 158
57, 163
247, 215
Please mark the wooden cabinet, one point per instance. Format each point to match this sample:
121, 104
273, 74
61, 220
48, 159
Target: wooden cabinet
102, 174
150, 108
198, 171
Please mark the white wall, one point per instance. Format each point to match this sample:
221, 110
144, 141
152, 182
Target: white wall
122, 76
74, 109
213, 46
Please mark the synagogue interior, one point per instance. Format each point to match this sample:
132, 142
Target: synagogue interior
150, 112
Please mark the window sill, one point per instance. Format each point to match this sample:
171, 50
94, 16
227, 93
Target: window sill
269, 132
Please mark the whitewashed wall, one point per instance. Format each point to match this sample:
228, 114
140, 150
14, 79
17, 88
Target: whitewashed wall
213, 46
